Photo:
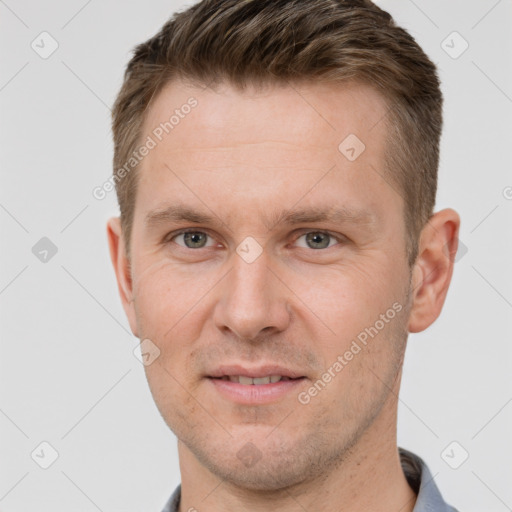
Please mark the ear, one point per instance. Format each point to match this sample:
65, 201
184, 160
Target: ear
433, 269
122, 269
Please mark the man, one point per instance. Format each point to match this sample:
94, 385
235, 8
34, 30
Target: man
276, 169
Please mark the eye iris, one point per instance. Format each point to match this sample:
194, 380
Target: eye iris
316, 238
195, 238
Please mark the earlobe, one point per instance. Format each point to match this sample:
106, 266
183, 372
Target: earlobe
122, 269
433, 269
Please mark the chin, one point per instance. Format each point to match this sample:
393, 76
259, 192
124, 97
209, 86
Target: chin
274, 466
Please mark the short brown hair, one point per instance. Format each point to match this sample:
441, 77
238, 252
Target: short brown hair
280, 41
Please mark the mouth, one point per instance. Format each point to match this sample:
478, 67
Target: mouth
256, 381
255, 386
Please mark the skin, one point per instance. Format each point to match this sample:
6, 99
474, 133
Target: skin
240, 156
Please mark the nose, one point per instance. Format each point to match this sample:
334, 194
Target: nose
253, 300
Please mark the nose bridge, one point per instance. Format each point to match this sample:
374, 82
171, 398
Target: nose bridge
251, 278
252, 298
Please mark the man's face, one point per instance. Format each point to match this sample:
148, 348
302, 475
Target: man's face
251, 289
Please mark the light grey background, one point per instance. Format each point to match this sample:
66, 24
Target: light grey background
68, 375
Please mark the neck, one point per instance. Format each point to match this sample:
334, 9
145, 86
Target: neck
369, 478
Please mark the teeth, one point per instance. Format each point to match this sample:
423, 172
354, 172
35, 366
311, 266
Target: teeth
261, 380
245, 380
242, 379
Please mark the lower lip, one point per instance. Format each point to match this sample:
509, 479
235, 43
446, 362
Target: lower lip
255, 393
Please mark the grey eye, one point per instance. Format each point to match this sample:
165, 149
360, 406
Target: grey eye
193, 239
317, 239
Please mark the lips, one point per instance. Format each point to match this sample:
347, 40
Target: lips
257, 381
246, 390
263, 374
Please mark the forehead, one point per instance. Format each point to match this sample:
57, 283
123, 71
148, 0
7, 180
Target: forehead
297, 116
271, 145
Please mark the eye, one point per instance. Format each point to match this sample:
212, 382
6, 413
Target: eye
319, 239
192, 239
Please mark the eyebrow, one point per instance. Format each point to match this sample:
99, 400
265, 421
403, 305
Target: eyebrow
339, 215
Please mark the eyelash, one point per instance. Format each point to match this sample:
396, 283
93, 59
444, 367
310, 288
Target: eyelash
339, 238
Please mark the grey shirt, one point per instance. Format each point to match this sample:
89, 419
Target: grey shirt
428, 497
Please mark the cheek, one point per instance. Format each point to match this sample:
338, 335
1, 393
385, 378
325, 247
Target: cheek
164, 304
343, 300
163, 297
161, 306
360, 314
172, 308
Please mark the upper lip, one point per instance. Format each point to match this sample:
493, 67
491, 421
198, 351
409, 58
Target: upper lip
255, 371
